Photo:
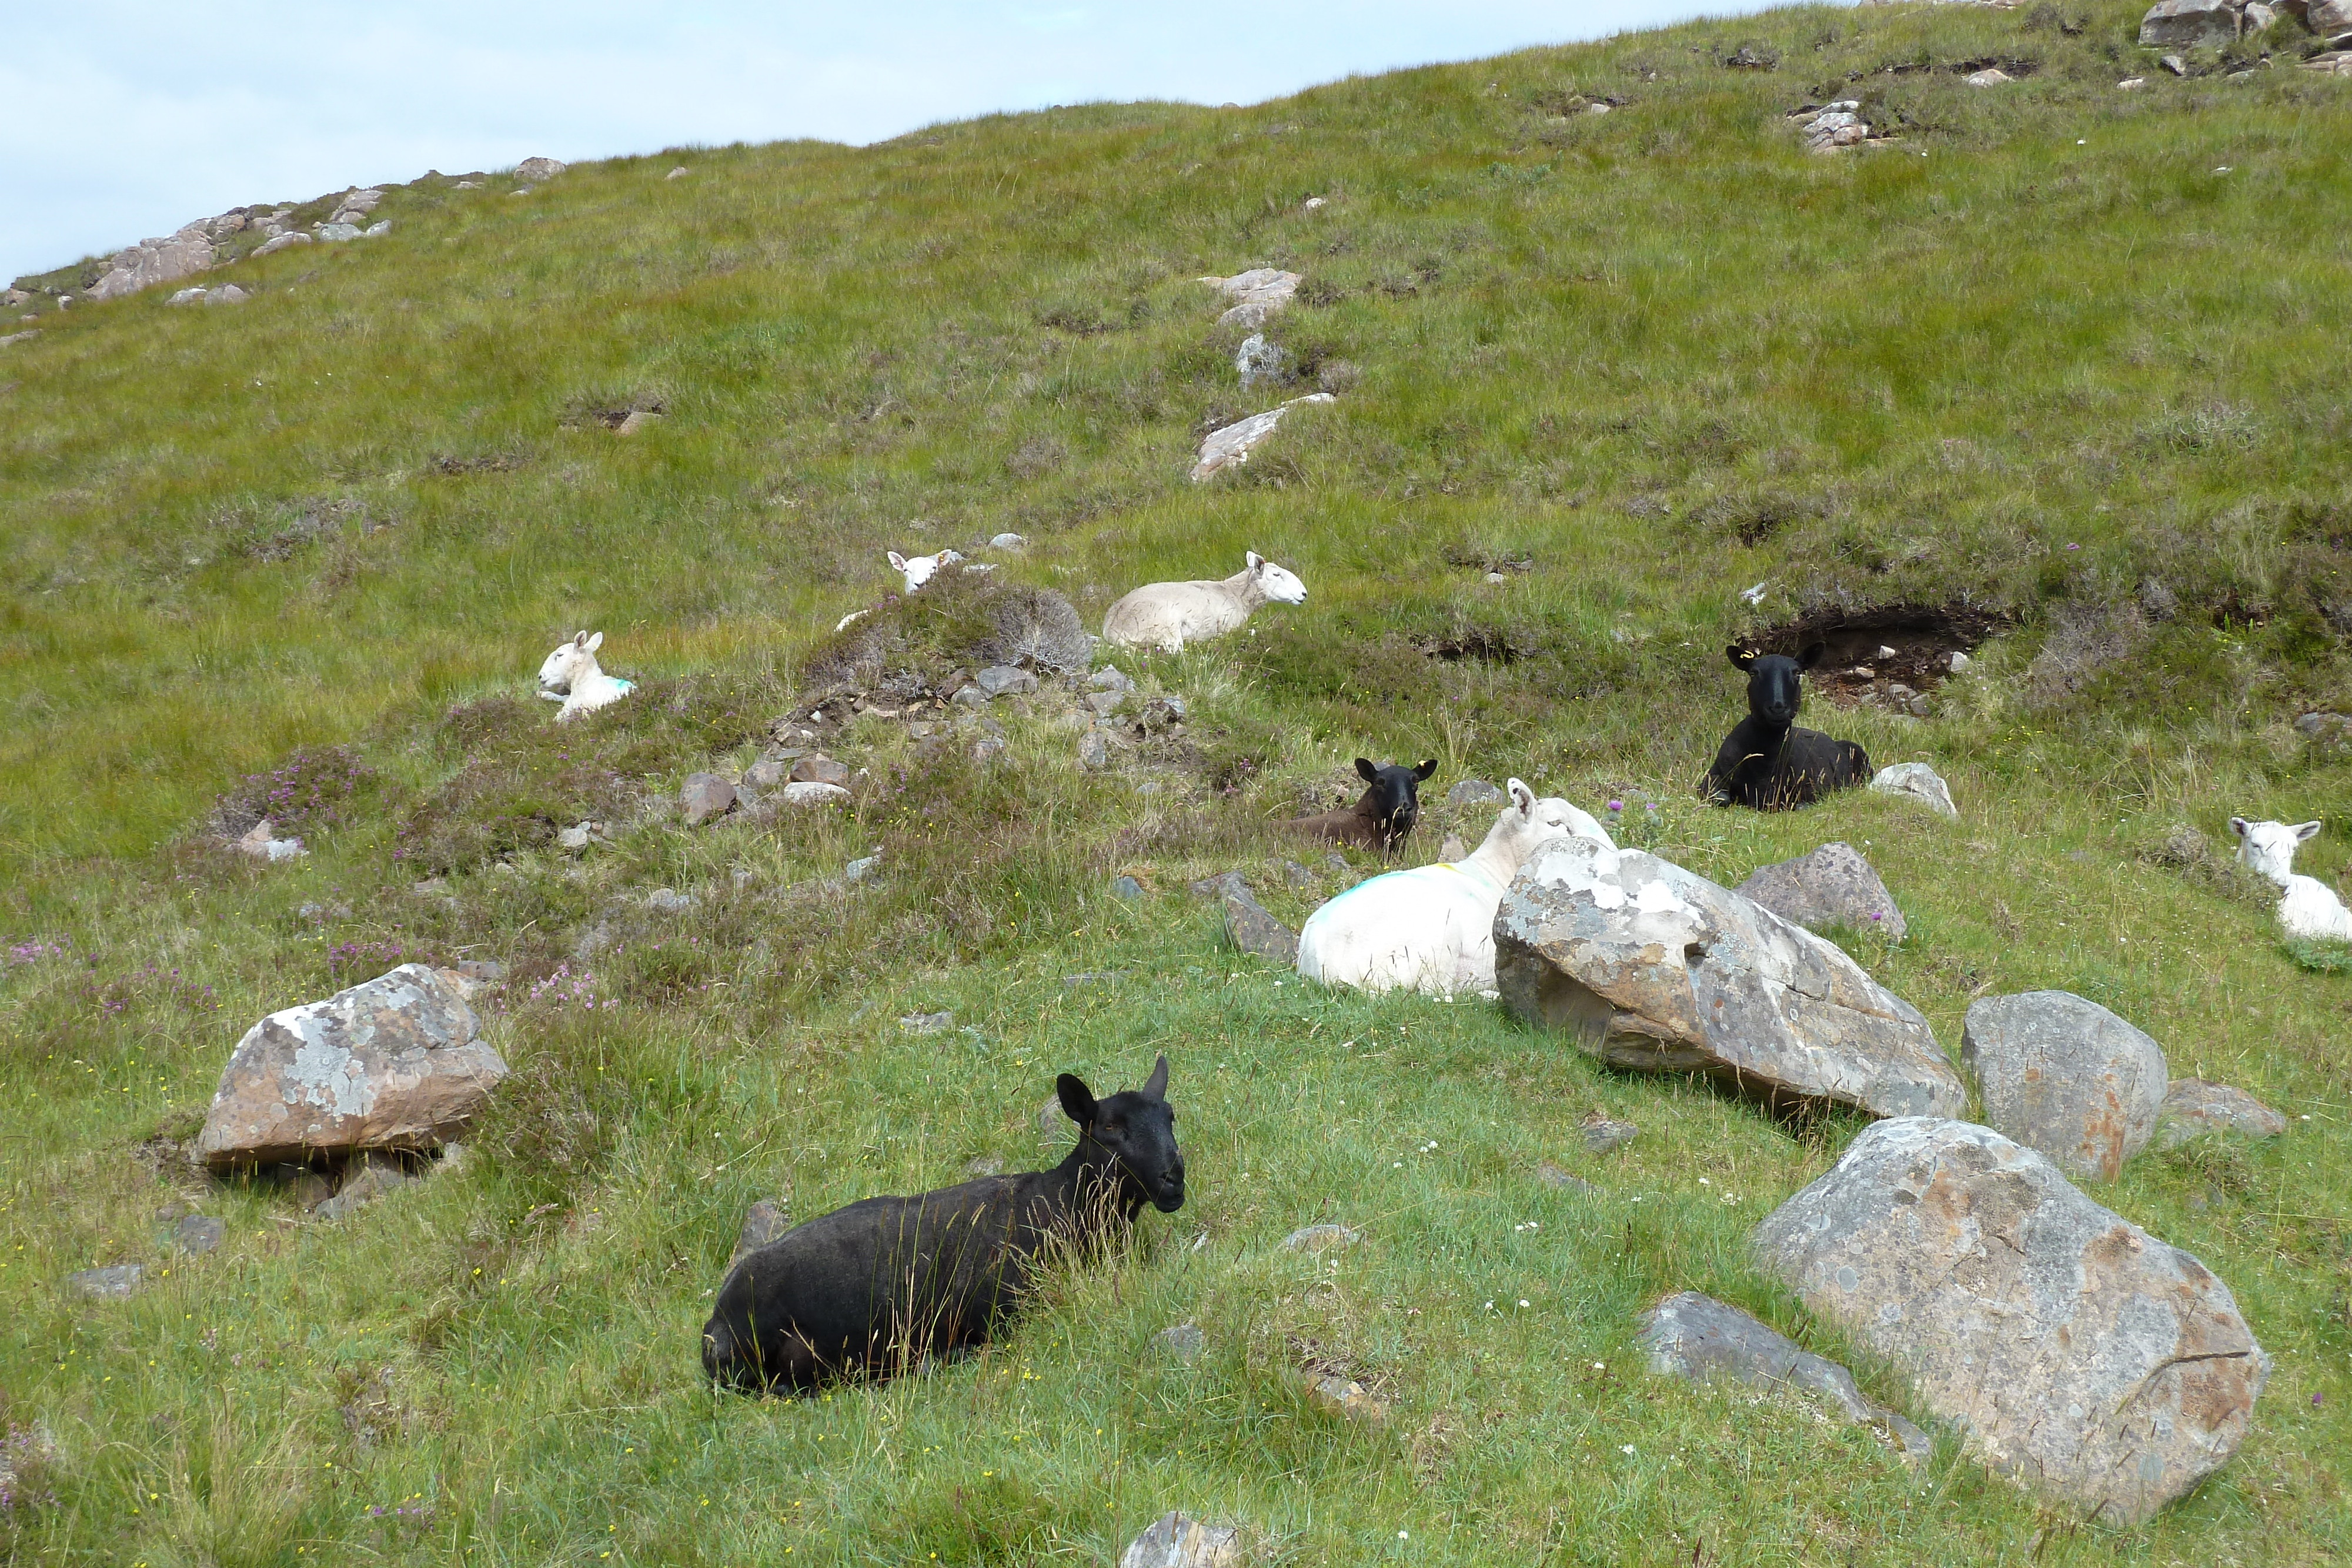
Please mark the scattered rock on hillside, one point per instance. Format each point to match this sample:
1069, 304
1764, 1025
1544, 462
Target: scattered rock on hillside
395, 1063
815, 795
19, 337
197, 1234
261, 844
113, 1283
1320, 1238
2190, 24
816, 768
2193, 1106
2328, 19
1126, 889
1185, 1342
669, 901
704, 797
1261, 363
637, 420
1230, 445
762, 1223
1992, 75
1915, 781
1176, 1542
277, 243
153, 261
983, 1165
1344, 1397
370, 1177
2063, 1075
2076, 1352
356, 206
1698, 1337
537, 168
336, 233
680, 173
1602, 1133
1002, 680
1475, 792
1833, 126
1250, 928
927, 1023
1256, 294
1050, 1116
1651, 967
1551, 1174
1094, 751
1833, 885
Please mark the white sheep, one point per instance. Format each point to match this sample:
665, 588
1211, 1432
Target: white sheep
923, 568
2308, 909
1432, 928
571, 676
1167, 615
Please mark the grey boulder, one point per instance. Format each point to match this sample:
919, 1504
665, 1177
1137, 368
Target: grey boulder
1473, 792
1698, 1337
704, 797
395, 1063
1252, 930
2194, 1106
1833, 885
2063, 1075
2076, 1352
2189, 24
1915, 781
1176, 1542
113, 1283
998, 680
1650, 967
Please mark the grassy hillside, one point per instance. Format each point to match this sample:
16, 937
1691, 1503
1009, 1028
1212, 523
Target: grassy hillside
2055, 374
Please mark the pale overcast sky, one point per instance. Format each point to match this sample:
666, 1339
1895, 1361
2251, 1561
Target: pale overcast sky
123, 119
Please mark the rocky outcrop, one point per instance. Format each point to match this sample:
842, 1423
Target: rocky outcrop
2065, 1076
154, 261
1256, 295
1833, 885
537, 168
2076, 1352
2190, 24
1231, 446
1698, 1337
396, 1064
1650, 967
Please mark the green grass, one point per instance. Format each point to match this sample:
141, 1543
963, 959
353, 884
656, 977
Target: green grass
1662, 353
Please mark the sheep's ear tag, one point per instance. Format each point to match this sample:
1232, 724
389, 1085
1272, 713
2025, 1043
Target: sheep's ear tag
1156, 1086
1425, 770
1078, 1100
1741, 658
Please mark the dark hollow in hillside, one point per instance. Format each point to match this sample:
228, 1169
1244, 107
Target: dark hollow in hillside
1924, 638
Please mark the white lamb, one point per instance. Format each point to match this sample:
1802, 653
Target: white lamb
2308, 908
1167, 615
1432, 928
571, 676
923, 568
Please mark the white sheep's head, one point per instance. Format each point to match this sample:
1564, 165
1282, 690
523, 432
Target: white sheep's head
1529, 823
921, 569
572, 661
1280, 584
2269, 847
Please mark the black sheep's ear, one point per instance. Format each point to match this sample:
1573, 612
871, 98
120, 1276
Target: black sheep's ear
1811, 655
1156, 1086
1741, 658
1367, 769
1078, 1100
1425, 770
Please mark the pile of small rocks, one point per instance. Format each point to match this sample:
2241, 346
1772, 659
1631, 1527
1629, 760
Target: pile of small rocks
1830, 126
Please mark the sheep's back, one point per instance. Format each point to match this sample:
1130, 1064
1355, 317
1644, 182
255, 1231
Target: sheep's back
1405, 927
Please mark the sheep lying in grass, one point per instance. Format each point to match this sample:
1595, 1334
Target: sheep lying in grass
2308, 909
1767, 762
921, 569
1167, 615
1381, 817
877, 1286
572, 676
1432, 928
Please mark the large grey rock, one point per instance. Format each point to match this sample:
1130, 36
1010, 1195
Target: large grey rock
154, 261
1252, 930
2194, 1106
285, 241
2189, 24
998, 680
1915, 781
2074, 1351
704, 797
1475, 792
395, 1063
1262, 363
1230, 445
1256, 294
335, 234
1696, 1336
1833, 885
537, 168
1176, 1542
2063, 1075
2328, 18
1651, 967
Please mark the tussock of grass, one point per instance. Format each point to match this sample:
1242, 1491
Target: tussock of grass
2054, 393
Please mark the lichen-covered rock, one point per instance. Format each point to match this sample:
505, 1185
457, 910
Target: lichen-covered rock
2193, 1106
2190, 24
1232, 444
1252, 930
1696, 1336
1833, 885
1916, 781
396, 1064
2063, 1075
2076, 1352
1651, 967
1176, 1542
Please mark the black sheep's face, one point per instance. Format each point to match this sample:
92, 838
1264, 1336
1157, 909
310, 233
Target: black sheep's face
1138, 1128
1396, 793
1776, 682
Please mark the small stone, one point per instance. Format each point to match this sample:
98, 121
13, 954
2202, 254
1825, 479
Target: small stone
335, 234
1105, 703
704, 797
679, 172
227, 294
1176, 1542
2188, 24
198, 1234
376, 231
985, 1166
2132, 83
1127, 889
2193, 1106
970, 697
988, 747
1008, 542
1495, 577
1050, 1116
767, 773
1219, 885
1346, 1396
861, 869
818, 769
1320, 1238
815, 795
1094, 751
1475, 792
1915, 781
763, 1222
2174, 63
373, 1177
1111, 679
1183, 1342
575, 837
1250, 928
1001, 680
1314, 204
187, 297
1297, 874
1958, 662
639, 419
1992, 77
1551, 1174
927, 1023
1602, 1133
113, 1283
1161, 714
669, 901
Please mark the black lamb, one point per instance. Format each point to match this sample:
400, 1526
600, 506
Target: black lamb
1767, 762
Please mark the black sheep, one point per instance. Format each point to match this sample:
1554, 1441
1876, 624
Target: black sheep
1767, 762
875, 1287
1381, 817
